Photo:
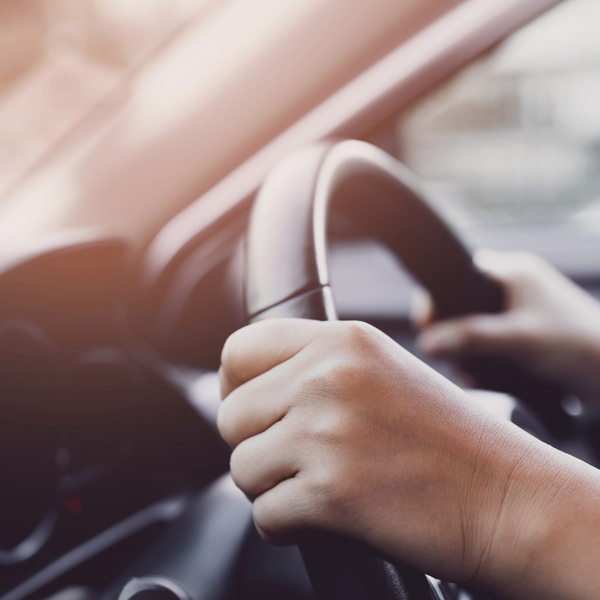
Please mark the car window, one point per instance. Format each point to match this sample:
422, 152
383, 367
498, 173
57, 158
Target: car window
509, 148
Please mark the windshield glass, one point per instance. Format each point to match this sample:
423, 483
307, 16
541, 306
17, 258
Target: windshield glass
510, 146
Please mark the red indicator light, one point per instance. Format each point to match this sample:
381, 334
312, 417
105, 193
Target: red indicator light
73, 506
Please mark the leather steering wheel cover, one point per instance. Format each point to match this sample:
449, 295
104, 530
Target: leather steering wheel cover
287, 276
287, 241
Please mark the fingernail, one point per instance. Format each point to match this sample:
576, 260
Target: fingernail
439, 339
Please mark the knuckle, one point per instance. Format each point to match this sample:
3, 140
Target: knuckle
269, 517
229, 356
278, 516
360, 335
236, 353
226, 422
238, 467
227, 351
333, 375
351, 349
330, 427
468, 335
315, 386
328, 495
327, 413
325, 481
341, 373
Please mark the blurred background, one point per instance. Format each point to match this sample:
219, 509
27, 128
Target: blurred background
119, 113
510, 146
60, 58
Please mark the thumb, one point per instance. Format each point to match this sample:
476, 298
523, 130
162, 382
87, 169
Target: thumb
477, 334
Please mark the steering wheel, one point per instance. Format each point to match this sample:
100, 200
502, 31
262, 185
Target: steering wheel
287, 276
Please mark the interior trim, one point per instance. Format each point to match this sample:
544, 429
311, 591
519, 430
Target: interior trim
450, 42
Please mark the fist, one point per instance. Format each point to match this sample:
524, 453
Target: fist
335, 427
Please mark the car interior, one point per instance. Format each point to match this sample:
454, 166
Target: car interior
142, 222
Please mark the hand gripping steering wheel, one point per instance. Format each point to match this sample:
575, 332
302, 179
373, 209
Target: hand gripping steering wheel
287, 276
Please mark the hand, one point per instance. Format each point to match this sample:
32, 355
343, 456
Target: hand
551, 326
335, 427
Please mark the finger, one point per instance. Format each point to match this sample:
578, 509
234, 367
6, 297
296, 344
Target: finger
421, 307
284, 511
256, 405
510, 267
257, 348
263, 461
503, 265
493, 262
527, 278
480, 333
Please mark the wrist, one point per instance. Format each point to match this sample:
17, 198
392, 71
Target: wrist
546, 541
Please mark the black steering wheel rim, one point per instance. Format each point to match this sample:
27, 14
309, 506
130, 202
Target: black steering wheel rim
287, 276
287, 239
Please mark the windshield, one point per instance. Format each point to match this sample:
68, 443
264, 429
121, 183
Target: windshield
510, 146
